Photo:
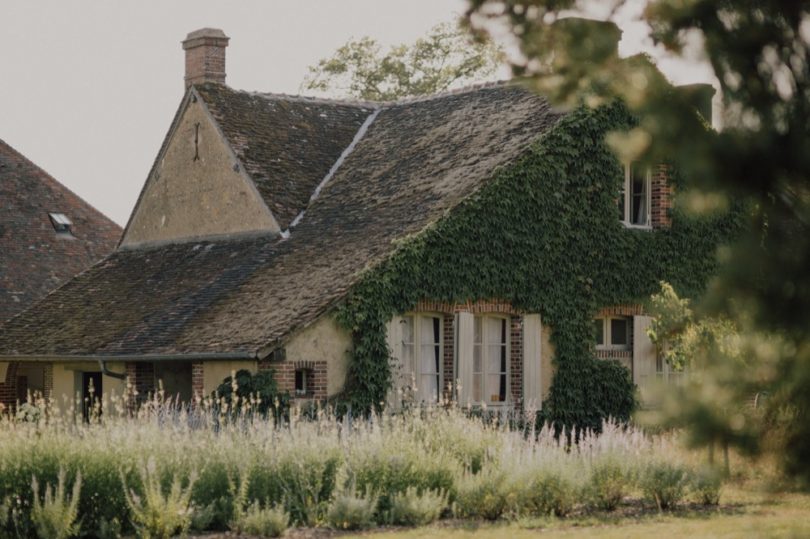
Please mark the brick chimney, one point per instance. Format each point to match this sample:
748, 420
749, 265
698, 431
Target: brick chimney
205, 56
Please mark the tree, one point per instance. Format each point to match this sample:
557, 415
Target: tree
759, 51
446, 57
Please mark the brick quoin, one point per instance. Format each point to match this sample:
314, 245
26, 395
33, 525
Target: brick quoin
198, 379
661, 195
141, 377
8, 388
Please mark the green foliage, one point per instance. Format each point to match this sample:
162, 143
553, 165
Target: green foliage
481, 495
566, 256
245, 390
756, 51
610, 482
443, 58
705, 485
262, 521
664, 483
415, 508
155, 513
352, 510
54, 516
546, 490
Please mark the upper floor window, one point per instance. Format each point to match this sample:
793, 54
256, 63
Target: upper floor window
422, 353
612, 333
61, 222
490, 359
634, 203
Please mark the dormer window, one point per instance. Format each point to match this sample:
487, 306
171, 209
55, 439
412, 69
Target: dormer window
635, 197
60, 222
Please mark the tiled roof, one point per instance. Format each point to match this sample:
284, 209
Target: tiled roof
34, 258
417, 160
287, 145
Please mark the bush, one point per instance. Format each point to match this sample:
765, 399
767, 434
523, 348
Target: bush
545, 491
664, 483
481, 495
259, 390
705, 484
609, 483
262, 522
155, 514
412, 508
54, 517
350, 510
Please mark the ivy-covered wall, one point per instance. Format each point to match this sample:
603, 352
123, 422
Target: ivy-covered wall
545, 236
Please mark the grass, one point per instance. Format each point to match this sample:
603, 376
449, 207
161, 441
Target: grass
746, 512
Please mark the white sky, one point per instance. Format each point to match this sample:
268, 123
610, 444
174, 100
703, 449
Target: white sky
88, 88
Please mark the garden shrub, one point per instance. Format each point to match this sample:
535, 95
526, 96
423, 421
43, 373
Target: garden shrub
352, 510
705, 484
664, 483
481, 495
246, 391
415, 508
156, 514
262, 521
545, 490
610, 481
54, 516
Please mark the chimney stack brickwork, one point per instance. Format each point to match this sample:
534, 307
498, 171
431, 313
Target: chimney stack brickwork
205, 56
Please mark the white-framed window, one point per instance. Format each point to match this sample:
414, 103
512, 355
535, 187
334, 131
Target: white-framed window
613, 332
422, 349
664, 372
635, 197
490, 372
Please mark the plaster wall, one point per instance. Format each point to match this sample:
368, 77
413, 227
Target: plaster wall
197, 189
214, 372
326, 341
67, 382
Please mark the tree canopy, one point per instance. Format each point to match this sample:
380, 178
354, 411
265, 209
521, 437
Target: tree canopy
758, 51
444, 58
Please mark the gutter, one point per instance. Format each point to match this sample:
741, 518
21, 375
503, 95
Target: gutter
136, 357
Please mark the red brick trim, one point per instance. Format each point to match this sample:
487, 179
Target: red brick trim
621, 310
516, 358
140, 380
661, 195
198, 378
8, 388
284, 374
449, 357
475, 307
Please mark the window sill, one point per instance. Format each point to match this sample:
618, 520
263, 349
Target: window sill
636, 227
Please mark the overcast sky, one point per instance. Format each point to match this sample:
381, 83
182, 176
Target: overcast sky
88, 88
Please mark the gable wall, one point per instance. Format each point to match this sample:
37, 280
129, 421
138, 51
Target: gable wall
187, 198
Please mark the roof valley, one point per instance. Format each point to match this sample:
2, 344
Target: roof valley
335, 166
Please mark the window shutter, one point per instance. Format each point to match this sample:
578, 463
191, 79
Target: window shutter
644, 354
464, 356
532, 393
3, 371
394, 337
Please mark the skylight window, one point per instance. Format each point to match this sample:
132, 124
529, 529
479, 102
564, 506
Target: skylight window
60, 222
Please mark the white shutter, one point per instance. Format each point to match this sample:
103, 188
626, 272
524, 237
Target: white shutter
532, 392
464, 356
3, 371
394, 336
644, 353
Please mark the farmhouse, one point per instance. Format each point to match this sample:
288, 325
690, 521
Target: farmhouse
477, 243
47, 235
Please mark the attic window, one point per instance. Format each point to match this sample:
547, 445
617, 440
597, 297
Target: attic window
60, 222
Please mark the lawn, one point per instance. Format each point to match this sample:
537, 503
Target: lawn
745, 512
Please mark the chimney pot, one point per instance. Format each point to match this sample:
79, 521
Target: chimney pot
205, 56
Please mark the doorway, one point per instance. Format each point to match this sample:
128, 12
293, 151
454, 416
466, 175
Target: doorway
91, 393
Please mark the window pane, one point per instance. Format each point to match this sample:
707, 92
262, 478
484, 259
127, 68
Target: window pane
476, 390
429, 359
496, 387
428, 330
495, 359
477, 358
429, 388
407, 329
618, 332
496, 330
599, 331
638, 199
407, 360
477, 333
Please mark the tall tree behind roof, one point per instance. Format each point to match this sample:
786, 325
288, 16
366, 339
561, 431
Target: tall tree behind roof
445, 58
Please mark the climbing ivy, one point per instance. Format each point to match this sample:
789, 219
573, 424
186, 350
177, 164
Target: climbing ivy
544, 235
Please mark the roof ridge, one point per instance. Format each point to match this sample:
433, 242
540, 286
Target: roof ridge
378, 104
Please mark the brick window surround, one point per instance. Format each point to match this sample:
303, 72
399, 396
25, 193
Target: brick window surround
315, 371
448, 311
9, 390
